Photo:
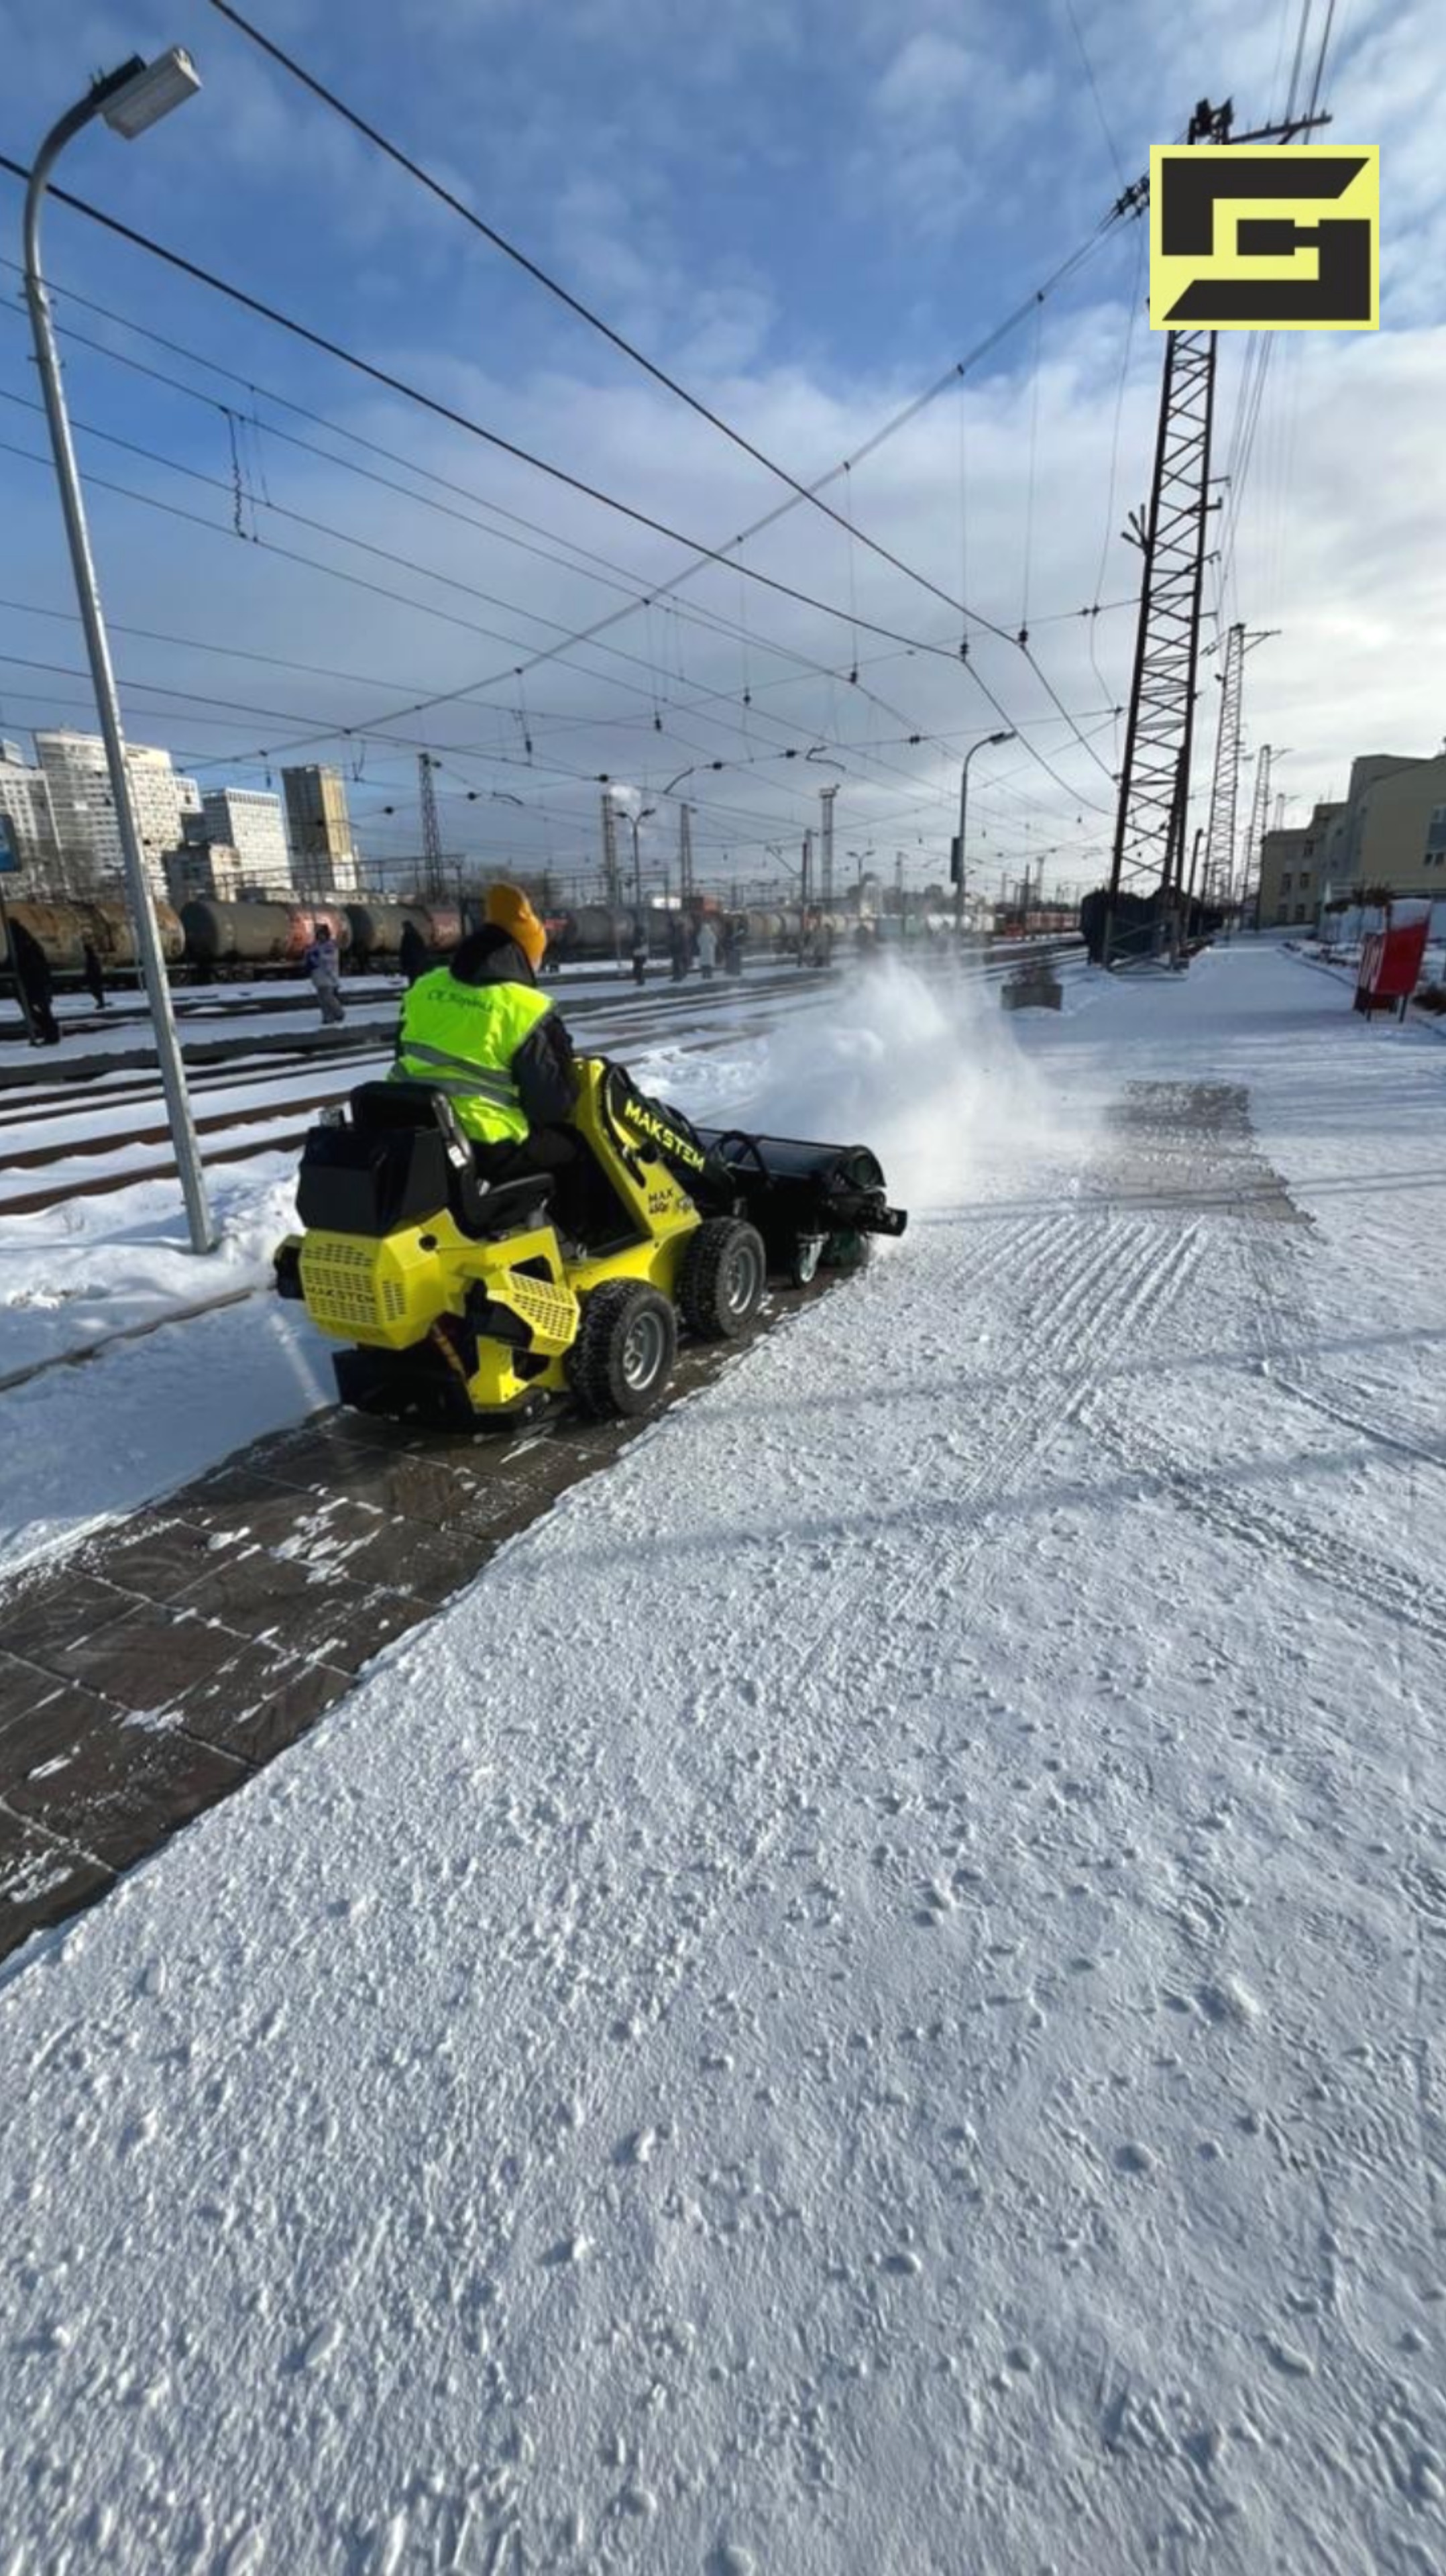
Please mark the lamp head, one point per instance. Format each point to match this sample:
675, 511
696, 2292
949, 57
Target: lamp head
146, 92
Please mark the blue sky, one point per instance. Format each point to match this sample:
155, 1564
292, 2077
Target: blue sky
805, 211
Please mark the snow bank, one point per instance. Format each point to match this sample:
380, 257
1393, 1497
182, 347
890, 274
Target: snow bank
129, 1420
73, 1274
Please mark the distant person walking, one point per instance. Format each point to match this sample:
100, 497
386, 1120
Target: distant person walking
413, 953
640, 950
707, 950
323, 965
678, 946
32, 974
94, 975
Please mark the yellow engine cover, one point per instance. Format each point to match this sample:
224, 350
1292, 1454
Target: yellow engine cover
386, 1292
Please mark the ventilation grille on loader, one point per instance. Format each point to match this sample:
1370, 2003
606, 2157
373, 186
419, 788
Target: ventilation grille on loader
552, 1312
344, 1291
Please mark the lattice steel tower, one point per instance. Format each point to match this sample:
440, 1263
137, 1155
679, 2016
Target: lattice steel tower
1253, 848
1218, 885
1155, 776
826, 796
434, 874
612, 891
1225, 784
1150, 824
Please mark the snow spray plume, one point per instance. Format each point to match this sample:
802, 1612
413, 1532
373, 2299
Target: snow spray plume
926, 1072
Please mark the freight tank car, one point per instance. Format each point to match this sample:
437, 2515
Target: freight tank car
376, 932
66, 927
233, 939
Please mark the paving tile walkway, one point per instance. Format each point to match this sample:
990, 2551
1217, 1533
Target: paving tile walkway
154, 1668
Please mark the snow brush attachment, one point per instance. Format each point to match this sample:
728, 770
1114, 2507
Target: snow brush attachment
814, 1205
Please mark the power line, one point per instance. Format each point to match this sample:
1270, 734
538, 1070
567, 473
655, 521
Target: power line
1095, 94
456, 205
612, 576
474, 429
1320, 60
705, 621
461, 420
641, 595
372, 726
890, 817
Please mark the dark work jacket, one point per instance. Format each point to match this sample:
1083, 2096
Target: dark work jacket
31, 965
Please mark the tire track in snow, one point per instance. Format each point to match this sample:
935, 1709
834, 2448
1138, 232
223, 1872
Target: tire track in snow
1104, 1283
1272, 1281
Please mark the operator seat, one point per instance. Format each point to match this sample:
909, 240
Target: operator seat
403, 1157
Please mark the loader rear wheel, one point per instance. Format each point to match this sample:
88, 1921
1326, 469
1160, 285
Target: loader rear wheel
721, 1283
625, 1348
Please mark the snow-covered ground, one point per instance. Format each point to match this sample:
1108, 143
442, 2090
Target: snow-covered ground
868, 1999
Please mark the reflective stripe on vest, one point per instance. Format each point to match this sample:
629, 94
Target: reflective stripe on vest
460, 1039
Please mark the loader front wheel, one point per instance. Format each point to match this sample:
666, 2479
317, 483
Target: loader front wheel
626, 1344
721, 1283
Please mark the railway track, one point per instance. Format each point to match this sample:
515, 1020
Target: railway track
261, 1126
62, 1075
206, 1040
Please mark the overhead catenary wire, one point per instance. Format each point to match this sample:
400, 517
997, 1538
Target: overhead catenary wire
641, 592
375, 722
703, 619
810, 493
1320, 60
1302, 32
1105, 128
378, 725
369, 722
908, 647
695, 615
448, 412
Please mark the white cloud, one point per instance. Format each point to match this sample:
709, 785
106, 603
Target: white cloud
927, 76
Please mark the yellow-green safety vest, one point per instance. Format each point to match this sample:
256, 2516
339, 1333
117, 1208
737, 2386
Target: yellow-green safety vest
461, 1039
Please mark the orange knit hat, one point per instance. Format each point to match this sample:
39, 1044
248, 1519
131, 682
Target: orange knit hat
509, 909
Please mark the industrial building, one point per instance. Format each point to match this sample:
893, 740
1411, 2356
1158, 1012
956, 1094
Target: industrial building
1390, 830
1292, 884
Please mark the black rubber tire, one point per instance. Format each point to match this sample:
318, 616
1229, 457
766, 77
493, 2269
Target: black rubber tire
606, 1370
722, 1280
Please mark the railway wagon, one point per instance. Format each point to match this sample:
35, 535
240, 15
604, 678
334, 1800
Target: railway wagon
230, 939
66, 926
376, 931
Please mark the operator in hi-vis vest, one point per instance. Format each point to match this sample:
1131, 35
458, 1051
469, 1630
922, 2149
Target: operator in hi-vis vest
479, 1030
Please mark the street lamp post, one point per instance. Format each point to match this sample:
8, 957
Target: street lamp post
635, 820
641, 942
981, 745
130, 99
